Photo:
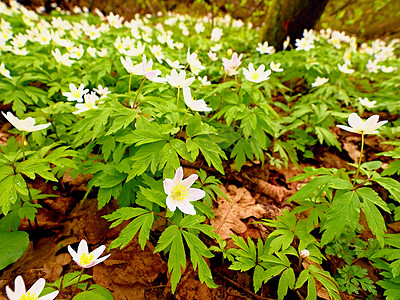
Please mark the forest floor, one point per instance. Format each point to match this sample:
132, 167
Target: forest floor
257, 192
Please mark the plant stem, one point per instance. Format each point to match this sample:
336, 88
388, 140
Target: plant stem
138, 91
183, 122
76, 285
177, 99
164, 217
359, 161
23, 145
130, 81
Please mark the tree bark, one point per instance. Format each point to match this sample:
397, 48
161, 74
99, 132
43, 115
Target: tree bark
290, 18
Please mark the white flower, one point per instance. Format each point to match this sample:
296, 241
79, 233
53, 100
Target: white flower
62, 59
196, 105
345, 69
231, 65
358, 125
180, 193
216, 34
194, 62
265, 49
75, 94
4, 71
157, 51
304, 44
365, 102
77, 52
144, 68
174, 64
86, 259
372, 66
90, 103
216, 48
258, 75
385, 69
204, 80
103, 92
179, 81
275, 67
33, 293
212, 55
27, 125
319, 81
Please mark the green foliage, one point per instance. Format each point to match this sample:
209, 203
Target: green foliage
353, 278
12, 246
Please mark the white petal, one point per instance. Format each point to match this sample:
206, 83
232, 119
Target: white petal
82, 248
101, 259
28, 123
99, 251
19, 287
37, 287
50, 296
355, 121
347, 128
73, 253
11, 294
186, 208
168, 186
195, 194
171, 203
188, 182
40, 127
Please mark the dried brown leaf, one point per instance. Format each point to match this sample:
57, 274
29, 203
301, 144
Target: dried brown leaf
228, 215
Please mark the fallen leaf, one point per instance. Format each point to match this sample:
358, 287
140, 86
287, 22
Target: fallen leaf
277, 193
228, 215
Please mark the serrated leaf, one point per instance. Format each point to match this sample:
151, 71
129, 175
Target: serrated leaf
344, 211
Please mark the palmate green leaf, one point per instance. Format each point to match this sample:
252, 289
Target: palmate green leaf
176, 258
198, 250
196, 127
324, 135
375, 219
319, 184
286, 281
211, 151
8, 193
393, 186
286, 151
33, 166
344, 211
12, 247
123, 214
143, 222
326, 280
240, 151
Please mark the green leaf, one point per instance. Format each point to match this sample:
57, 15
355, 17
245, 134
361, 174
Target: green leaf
12, 246
393, 186
176, 260
211, 151
344, 211
324, 134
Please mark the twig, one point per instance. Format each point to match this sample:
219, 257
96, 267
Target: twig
160, 215
243, 288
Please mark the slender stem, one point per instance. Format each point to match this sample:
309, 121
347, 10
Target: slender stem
164, 217
55, 131
76, 285
138, 91
359, 161
130, 81
23, 145
177, 99
223, 80
183, 122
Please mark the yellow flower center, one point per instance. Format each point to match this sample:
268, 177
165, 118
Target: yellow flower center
86, 259
180, 192
76, 94
29, 296
255, 76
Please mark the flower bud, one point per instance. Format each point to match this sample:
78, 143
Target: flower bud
304, 253
229, 52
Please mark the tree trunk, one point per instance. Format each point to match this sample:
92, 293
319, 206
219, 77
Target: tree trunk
290, 18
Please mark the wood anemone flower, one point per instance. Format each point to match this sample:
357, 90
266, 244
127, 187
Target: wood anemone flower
180, 193
33, 293
86, 259
358, 125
